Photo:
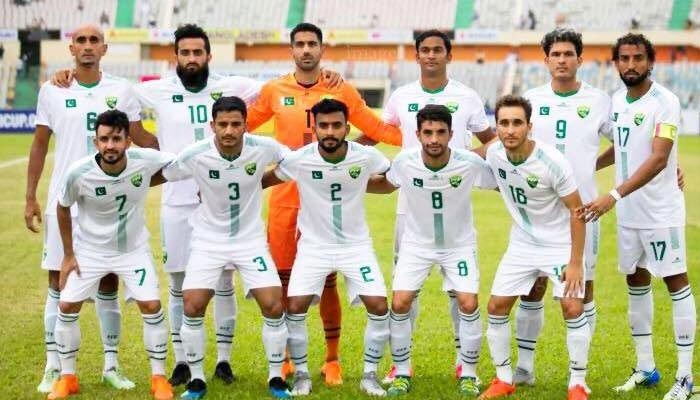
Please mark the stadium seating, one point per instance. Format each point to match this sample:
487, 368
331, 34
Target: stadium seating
259, 14
387, 14
55, 14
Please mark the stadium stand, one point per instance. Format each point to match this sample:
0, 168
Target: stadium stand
387, 14
259, 14
55, 14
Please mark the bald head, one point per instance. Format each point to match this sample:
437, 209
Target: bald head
88, 30
88, 45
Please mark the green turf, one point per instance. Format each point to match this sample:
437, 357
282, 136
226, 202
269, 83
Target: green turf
24, 287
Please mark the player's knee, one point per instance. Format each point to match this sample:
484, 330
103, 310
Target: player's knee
572, 308
69, 308
54, 277
468, 303
401, 304
677, 282
376, 305
497, 307
109, 283
641, 277
195, 303
296, 305
149, 306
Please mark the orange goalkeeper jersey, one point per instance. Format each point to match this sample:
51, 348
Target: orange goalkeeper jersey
290, 104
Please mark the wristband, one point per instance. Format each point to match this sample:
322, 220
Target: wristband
615, 194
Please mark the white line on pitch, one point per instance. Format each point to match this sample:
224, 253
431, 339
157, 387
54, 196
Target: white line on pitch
16, 161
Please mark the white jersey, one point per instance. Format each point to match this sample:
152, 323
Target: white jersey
532, 192
183, 118
573, 123
468, 115
439, 210
659, 203
111, 217
71, 114
231, 191
332, 195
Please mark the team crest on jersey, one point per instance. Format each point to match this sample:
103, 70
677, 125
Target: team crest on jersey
502, 173
214, 174
100, 191
355, 171
216, 95
413, 107
111, 101
532, 181
544, 110
71, 103
177, 98
250, 168
583, 111
288, 101
638, 119
452, 106
137, 179
455, 181
417, 182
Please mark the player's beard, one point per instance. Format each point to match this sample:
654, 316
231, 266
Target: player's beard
195, 79
331, 149
113, 161
306, 68
631, 82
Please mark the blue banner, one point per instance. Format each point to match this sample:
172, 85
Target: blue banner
17, 121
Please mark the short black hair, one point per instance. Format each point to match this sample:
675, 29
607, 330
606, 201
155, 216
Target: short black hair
434, 33
635, 39
114, 118
328, 106
510, 100
562, 35
229, 103
306, 27
191, 31
434, 112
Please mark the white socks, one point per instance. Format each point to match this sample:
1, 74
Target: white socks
401, 328
175, 311
684, 322
578, 342
67, 334
193, 339
274, 336
470, 336
298, 341
529, 318
107, 306
155, 340
641, 315
377, 334
498, 337
225, 308
591, 315
50, 313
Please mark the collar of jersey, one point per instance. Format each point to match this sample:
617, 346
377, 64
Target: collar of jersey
88, 85
439, 168
434, 91
515, 164
337, 160
97, 157
631, 100
566, 94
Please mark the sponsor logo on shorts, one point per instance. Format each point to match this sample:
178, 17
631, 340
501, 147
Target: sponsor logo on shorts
583, 111
532, 181
250, 168
417, 182
111, 101
316, 174
544, 110
355, 171
455, 181
137, 179
100, 191
213, 174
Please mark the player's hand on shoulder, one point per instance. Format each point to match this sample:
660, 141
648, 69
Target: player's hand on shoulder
572, 276
68, 265
681, 178
62, 78
332, 79
32, 212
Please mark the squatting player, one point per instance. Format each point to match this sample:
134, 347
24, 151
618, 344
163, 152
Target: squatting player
538, 187
332, 177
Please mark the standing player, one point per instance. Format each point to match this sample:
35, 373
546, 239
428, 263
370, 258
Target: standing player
433, 53
650, 210
438, 178
572, 116
547, 236
70, 114
289, 100
332, 178
228, 233
110, 190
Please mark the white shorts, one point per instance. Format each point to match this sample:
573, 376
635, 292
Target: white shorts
358, 264
136, 269
175, 236
660, 251
518, 271
459, 268
52, 253
591, 248
252, 260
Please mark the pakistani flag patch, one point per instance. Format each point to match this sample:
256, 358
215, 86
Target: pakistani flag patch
502, 173
452, 106
583, 111
288, 101
100, 191
177, 98
417, 182
316, 174
213, 174
216, 95
532, 181
355, 171
111, 101
137, 179
413, 107
250, 168
638, 119
71, 103
455, 181
544, 110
